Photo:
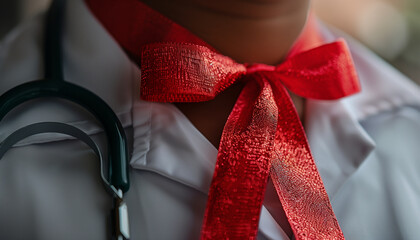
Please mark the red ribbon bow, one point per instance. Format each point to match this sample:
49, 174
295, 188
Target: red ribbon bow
263, 134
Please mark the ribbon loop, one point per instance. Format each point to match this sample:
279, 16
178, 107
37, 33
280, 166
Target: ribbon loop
326, 72
185, 72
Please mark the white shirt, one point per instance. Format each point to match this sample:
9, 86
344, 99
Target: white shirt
366, 147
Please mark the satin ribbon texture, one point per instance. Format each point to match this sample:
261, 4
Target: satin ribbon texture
263, 135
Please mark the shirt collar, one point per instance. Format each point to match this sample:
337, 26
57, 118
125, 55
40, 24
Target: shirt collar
327, 121
91, 55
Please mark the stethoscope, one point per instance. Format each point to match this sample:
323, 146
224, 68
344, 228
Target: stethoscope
54, 85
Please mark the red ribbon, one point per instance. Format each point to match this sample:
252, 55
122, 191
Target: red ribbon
263, 131
263, 135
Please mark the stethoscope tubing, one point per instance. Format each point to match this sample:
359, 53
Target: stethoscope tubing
54, 86
116, 139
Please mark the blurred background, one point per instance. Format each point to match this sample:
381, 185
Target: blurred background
391, 28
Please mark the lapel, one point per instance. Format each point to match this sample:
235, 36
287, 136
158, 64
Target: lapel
338, 141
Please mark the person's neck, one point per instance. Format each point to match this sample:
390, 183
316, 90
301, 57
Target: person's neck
249, 31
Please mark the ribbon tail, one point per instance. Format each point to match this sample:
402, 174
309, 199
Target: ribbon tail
296, 178
242, 167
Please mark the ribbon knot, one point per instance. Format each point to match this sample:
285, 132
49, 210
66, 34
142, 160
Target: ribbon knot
263, 135
252, 68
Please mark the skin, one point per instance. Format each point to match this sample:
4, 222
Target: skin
232, 26
249, 31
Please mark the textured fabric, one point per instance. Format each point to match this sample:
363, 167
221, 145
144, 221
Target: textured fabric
262, 132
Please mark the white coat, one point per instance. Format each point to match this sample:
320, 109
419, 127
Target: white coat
366, 147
